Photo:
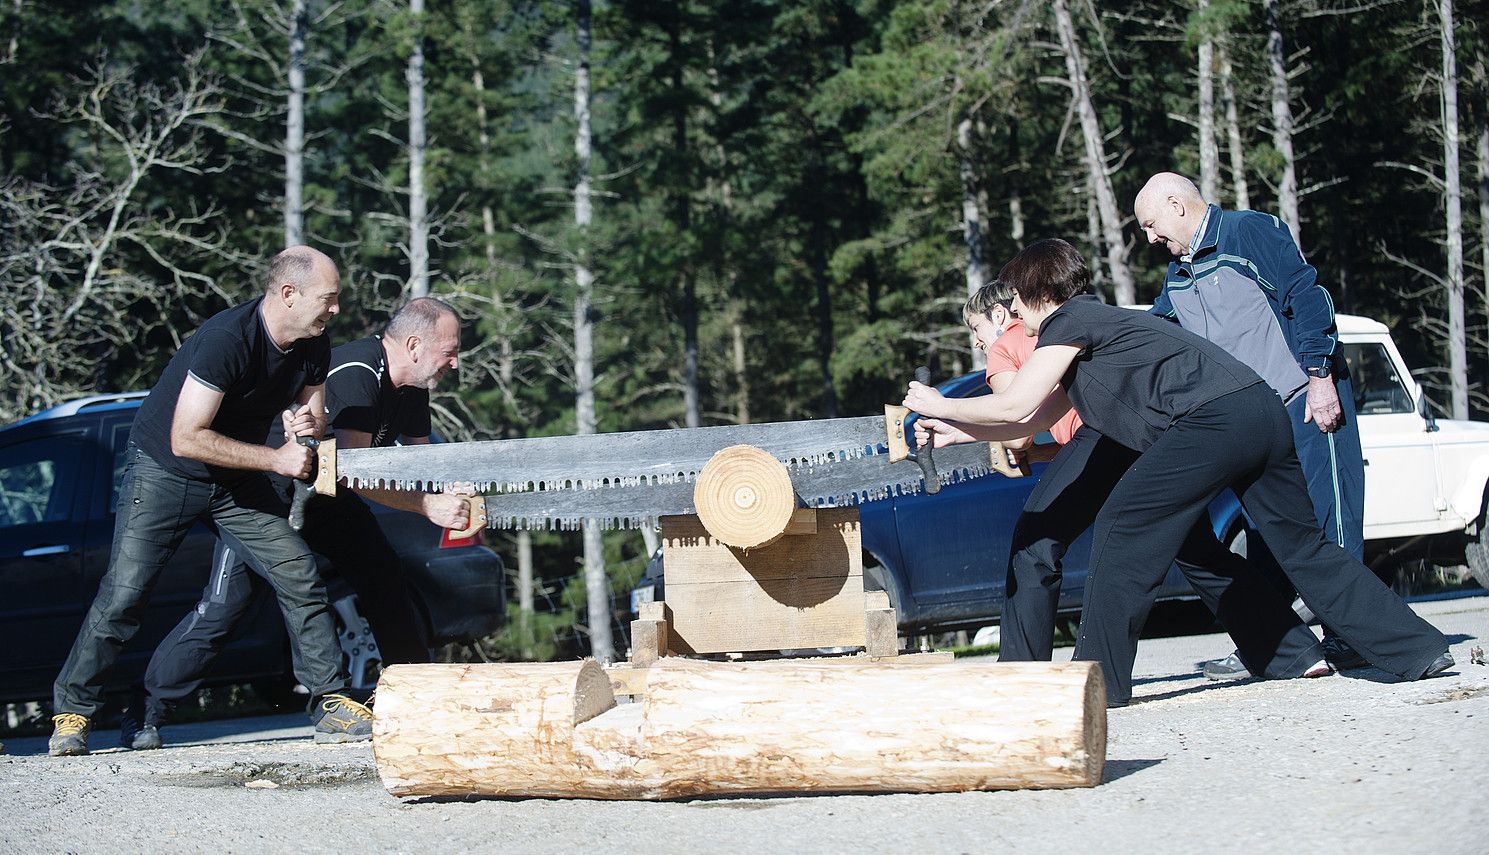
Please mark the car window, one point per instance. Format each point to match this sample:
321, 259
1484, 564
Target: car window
37, 478
1378, 388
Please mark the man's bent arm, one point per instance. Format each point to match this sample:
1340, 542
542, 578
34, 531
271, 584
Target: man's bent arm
446, 510
192, 435
1282, 264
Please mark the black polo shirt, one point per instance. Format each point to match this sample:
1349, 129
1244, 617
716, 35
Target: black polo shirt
361, 397
234, 354
1136, 374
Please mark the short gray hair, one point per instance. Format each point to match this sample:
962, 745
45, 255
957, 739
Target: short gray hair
418, 317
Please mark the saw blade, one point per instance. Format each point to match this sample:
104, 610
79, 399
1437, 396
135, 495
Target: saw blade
604, 459
820, 485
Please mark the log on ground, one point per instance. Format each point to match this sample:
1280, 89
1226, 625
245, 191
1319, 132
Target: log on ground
715, 728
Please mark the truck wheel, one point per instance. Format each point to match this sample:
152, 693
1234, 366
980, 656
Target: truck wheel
1477, 552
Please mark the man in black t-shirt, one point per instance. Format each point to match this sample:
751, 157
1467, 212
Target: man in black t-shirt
197, 453
377, 393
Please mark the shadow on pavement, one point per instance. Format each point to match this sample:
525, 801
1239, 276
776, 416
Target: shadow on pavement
291, 727
1116, 769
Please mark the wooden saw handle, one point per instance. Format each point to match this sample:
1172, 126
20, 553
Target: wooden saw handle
1033, 454
475, 507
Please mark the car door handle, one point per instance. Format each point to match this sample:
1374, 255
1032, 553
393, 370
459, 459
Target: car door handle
38, 551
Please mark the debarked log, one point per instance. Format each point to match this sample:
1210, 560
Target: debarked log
717, 728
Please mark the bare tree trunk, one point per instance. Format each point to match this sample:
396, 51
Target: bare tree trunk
1093, 239
1453, 201
1209, 150
505, 363
596, 581
1101, 181
1282, 123
525, 593
1233, 132
488, 216
741, 365
687, 281
1015, 194
971, 226
294, 129
15, 39
817, 234
724, 268
418, 202
1484, 210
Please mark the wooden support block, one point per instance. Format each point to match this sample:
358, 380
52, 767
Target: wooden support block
717, 728
648, 641
876, 599
804, 591
656, 610
881, 633
803, 521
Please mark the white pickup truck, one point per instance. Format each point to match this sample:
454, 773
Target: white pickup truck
1425, 477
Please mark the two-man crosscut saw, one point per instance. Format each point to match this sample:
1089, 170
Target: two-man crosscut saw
631, 477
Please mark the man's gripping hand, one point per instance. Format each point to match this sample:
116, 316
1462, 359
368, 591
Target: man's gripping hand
448, 510
292, 459
944, 433
1323, 404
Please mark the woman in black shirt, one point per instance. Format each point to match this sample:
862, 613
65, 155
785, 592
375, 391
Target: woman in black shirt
1203, 422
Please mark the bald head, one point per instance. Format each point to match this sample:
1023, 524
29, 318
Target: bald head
1170, 209
302, 294
302, 267
1166, 184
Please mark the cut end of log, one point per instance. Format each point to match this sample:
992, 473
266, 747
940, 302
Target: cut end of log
744, 497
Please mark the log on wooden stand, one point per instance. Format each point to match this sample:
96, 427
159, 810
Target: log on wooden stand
744, 497
711, 728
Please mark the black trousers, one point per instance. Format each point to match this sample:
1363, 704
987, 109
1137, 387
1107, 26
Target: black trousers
1072, 491
340, 527
156, 508
1242, 441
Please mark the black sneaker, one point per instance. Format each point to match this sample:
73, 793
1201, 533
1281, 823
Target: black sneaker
1439, 665
1229, 668
338, 718
147, 738
1341, 655
139, 730
69, 735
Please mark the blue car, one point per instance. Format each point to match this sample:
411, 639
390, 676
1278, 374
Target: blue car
943, 558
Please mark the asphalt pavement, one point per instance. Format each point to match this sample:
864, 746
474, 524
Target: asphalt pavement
1356, 762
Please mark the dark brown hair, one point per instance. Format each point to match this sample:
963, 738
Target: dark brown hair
1049, 271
